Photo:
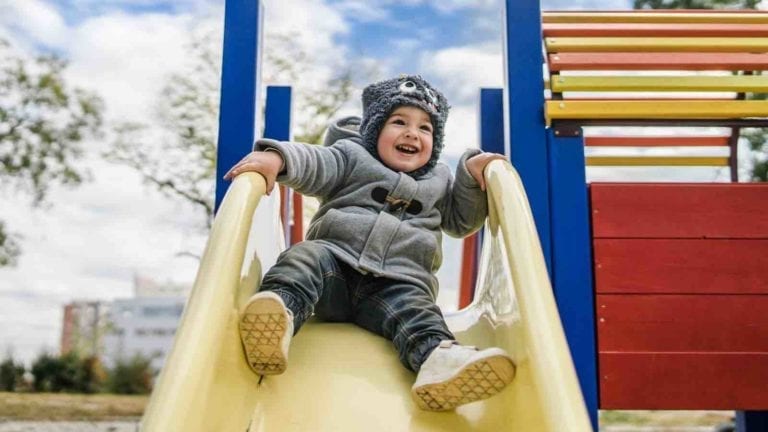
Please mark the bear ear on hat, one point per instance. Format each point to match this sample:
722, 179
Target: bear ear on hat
375, 91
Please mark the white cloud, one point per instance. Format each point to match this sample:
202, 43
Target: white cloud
33, 22
462, 71
461, 80
313, 22
361, 10
126, 58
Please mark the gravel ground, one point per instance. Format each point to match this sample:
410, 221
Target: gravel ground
34, 426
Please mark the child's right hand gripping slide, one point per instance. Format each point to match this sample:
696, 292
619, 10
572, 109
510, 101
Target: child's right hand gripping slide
267, 163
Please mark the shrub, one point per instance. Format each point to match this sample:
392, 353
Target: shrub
133, 376
67, 373
11, 374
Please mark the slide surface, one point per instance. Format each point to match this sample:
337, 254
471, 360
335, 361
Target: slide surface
342, 378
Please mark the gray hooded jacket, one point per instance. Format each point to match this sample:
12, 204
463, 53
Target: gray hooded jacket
375, 219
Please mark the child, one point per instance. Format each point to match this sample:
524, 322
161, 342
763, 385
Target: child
374, 245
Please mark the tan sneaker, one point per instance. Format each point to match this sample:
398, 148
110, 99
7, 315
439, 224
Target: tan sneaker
266, 328
455, 375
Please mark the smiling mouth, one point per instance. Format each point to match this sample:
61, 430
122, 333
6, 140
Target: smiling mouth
407, 149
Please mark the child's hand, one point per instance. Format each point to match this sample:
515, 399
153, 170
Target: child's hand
476, 165
266, 163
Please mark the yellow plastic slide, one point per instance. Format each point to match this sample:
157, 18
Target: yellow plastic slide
342, 378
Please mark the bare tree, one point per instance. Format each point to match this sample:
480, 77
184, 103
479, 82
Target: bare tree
177, 153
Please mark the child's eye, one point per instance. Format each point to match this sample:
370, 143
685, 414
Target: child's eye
398, 122
426, 128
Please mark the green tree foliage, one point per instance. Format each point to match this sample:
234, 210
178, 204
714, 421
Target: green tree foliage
696, 4
133, 376
9, 247
43, 122
67, 373
178, 153
11, 374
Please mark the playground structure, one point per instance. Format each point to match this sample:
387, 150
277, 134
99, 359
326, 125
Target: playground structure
670, 313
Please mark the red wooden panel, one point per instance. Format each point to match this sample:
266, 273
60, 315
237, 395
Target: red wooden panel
682, 323
689, 381
468, 271
656, 141
653, 30
624, 210
681, 266
658, 61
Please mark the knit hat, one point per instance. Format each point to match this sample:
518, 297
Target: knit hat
381, 98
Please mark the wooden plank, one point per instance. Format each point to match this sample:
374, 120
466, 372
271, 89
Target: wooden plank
657, 17
653, 30
657, 161
656, 141
689, 381
669, 210
658, 61
690, 83
655, 109
655, 44
682, 323
680, 266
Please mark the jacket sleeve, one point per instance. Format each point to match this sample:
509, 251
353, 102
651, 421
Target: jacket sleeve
465, 205
310, 169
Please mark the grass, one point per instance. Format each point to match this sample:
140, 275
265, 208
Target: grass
62, 406
665, 418
69, 407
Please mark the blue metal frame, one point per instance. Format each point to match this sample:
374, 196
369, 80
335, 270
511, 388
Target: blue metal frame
277, 125
238, 121
524, 100
572, 259
492, 121
277, 113
749, 421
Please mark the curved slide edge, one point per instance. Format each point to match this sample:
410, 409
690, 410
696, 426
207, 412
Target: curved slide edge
205, 384
537, 341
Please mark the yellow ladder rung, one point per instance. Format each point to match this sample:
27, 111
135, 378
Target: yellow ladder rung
659, 44
655, 17
656, 161
730, 83
655, 109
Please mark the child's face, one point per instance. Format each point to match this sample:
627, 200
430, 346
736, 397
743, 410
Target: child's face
405, 141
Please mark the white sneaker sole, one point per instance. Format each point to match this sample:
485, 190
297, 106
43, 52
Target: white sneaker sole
478, 380
262, 329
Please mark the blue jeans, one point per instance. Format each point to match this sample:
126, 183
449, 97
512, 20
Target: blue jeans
309, 278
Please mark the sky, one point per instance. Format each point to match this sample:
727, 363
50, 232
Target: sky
90, 242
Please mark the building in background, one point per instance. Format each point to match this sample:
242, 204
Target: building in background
85, 324
119, 330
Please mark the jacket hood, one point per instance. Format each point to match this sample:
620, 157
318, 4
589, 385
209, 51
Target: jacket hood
344, 128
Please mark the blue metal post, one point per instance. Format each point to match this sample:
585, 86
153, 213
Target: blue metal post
277, 125
524, 100
491, 140
751, 421
492, 121
572, 258
239, 86
277, 116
